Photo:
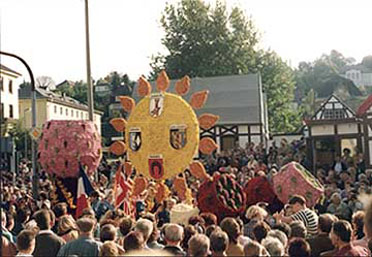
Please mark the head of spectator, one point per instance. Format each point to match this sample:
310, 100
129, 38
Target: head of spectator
209, 218
23, 215
198, 246
60, 210
284, 227
173, 234
325, 223
273, 246
336, 198
197, 221
43, 219
232, 229
279, 235
189, 231
298, 247
219, 243
256, 212
134, 241
9, 221
125, 225
145, 227
109, 249
108, 233
67, 226
298, 229
357, 222
210, 229
341, 233
254, 249
26, 242
260, 231
86, 227
297, 203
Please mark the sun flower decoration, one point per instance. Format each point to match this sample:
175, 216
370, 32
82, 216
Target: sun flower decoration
162, 132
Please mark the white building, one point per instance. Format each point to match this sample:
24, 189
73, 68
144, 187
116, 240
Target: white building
51, 106
360, 75
8, 93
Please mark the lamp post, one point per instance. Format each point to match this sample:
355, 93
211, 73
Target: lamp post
89, 77
24, 124
33, 108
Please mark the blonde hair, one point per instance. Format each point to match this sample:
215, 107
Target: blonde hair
67, 225
109, 249
254, 210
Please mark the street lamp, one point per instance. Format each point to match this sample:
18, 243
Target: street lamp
24, 125
89, 77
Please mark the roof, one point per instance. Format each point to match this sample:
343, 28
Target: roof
365, 106
4, 68
333, 108
236, 99
359, 67
68, 82
25, 93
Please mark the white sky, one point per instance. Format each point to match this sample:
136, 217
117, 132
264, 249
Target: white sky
49, 34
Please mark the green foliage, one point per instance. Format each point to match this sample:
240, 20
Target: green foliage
209, 41
367, 61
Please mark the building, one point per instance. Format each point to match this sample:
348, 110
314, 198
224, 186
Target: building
359, 74
365, 113
241, 105
333, 128
8, 93
51, 106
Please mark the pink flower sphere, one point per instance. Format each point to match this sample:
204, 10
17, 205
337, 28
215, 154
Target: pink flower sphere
64, 143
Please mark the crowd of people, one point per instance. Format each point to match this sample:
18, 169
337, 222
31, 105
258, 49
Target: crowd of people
339, 225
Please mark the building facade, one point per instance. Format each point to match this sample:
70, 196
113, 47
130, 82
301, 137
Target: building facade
8, 93
360, 75
51, 106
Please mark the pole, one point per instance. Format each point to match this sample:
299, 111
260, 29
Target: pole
89, 77
33, 145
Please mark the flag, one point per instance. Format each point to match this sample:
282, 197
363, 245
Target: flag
84, 189
121, 191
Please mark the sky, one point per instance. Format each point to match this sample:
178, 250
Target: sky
124, 34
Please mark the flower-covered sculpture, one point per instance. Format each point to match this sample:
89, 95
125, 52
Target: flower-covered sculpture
65, 143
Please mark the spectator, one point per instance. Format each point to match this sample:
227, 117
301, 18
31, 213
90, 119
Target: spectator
173, 235
23, 215
199, 246
5, 231
134, 241
85, 245
209, 219
279, 235
260, 231
219, 243
46, 237
254, 214
358, 224
273, 246
254, 249
322, 242
298, 229
341, 234
339, 208
189, 231
67, 228
284, 227
232, 229
301, 213
109, 249
145, 227
298, 247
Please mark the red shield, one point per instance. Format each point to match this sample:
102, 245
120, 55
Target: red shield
156, 168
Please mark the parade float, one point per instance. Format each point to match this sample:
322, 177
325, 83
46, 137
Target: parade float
162, 137
294, 179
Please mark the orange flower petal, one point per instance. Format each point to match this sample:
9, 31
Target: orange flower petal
118, 148
207, 145
183, 85
162, 82
197, 170
144, 87
198, 99
207, 120
128, 103
118, 124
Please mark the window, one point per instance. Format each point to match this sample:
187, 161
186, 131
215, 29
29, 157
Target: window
77, 114
60, 110
81, 114
72, 113
333, 114
55, 108
2, 111
10, 111
66, 112
1, 83
11, 86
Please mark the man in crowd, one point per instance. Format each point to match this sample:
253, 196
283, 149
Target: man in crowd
26, 243
173, 235
219, 243
145, 227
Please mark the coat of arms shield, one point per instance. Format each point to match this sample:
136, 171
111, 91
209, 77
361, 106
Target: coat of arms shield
135, 140
178, 136
156, 104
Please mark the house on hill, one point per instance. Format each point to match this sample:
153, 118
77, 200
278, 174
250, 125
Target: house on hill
241, 104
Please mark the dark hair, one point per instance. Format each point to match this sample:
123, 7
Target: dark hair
43, 196
284, 227
232, 228
133, 241
210, 229
94, 194
298, 229
358, 220
107, 233
209, 218
297, 199
260, 231
43, 219
22, 215
219, 241
60, 209
298, 247
188, 232
126, 225
325, 222
24, 239
196, 220
343, 230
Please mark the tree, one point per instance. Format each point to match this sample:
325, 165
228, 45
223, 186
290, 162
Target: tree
209, 41
45, 82
367, 61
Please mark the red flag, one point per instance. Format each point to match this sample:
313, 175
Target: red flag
121, 189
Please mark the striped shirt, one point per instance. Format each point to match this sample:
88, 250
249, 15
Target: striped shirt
309, 218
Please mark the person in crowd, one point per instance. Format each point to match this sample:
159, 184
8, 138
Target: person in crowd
341, 235
173, 235
60, 211
339, 165
46, 237
338, 207
7, 248
5, 231
357, 223
298, 229
109, 249
189, 232
232, 229
322, 242
199, 246
145, 227
22, 217
219, 243
26, 243
301, 213
85, 245
281, 236
209, 218
273, 246
284, 227
254, 249
134, 241
260, 231
254, 214
67, 228
298, 247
